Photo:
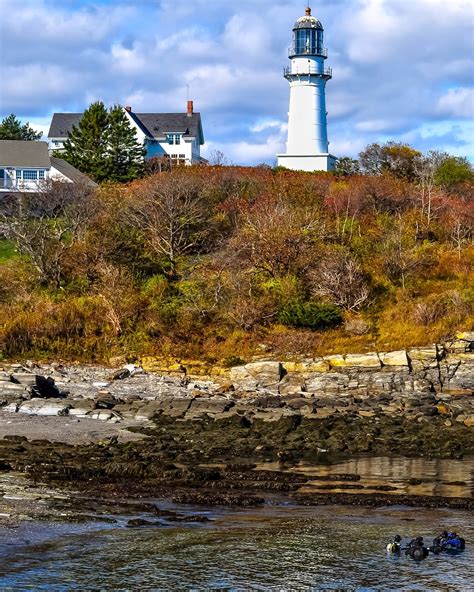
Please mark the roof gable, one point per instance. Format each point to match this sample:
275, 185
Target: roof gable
71, 172
62, 124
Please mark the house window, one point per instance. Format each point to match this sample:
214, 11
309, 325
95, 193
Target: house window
178, 159
174, 139
28, 175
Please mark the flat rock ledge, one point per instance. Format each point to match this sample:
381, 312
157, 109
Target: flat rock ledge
418, 384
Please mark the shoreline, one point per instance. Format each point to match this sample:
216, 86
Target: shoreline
240, 440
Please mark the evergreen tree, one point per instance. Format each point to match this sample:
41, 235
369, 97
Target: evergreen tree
125, 154
87, 145
11, 128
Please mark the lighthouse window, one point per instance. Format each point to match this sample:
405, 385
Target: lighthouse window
320, 41
306, 41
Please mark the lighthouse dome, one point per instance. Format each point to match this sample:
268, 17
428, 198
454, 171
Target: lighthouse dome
308, 22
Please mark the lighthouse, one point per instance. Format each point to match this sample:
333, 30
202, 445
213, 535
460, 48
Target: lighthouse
307, 148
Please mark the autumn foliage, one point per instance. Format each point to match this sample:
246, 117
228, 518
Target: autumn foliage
227, 262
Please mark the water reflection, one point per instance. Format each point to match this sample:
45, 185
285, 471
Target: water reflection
411, 476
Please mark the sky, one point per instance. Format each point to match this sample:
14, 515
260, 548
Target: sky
403, 70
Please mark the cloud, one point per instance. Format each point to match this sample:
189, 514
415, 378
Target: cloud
457, 102
399, 66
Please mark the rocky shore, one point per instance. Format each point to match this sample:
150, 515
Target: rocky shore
194, 438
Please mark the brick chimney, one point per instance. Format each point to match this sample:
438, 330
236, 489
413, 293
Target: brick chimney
190, 108
129, 109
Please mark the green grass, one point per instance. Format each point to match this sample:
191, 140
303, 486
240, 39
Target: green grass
7, 251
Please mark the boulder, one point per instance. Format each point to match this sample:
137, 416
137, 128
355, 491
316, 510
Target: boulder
121, 374
226, 387
370, 360
395, 358
469, 421
146, 412
45, 388
242, 380
307, 366
462, 376
12, 407
81, 407
24, 378
291, 384
209, 406
264, 375
175, 407
424, 358
134, 369
106, 401
104, 415
12, 387
41, 407
330, 383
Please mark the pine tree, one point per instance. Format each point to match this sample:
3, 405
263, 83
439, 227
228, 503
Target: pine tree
125, 154
11, 128
87, 145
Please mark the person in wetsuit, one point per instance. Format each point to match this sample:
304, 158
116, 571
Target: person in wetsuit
453, 542
395, 546
439, 541
416, 549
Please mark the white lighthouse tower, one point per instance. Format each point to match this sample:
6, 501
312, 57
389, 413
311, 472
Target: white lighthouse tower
308, 147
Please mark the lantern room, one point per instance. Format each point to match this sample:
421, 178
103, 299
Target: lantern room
308, 35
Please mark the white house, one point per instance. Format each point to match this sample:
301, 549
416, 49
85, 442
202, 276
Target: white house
176, 135
27, 165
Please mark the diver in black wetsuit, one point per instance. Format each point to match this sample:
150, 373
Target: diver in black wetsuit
416, 549
439, 541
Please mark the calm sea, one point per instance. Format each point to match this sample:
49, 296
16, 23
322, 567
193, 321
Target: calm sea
273, 548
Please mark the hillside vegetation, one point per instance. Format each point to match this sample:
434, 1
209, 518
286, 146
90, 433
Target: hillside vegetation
223, 263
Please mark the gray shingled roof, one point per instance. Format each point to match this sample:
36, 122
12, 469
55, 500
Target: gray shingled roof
71, 172
62, 124
23, 153
155, 125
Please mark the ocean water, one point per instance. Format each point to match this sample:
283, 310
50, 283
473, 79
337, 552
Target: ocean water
277, 548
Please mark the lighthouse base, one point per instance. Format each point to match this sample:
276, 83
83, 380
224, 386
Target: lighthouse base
313, 162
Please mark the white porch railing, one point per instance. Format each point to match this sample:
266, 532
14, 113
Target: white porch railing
7, 184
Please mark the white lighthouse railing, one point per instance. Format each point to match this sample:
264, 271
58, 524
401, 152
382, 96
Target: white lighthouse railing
327, 72
319, 52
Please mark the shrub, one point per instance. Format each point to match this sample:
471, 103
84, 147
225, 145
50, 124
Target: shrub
312, 315
232, 361
356, 326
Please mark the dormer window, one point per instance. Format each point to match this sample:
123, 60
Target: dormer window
174, 139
